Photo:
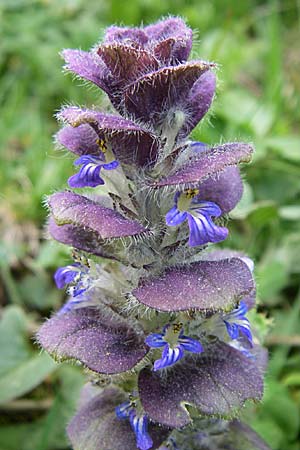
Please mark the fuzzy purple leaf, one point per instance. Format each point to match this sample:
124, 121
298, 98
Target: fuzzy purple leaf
87, 65
130, 143
81, 140
217, 382
171, 30
217, 255
102, 343
135, 37
91, 218
198, 101
206, 164
72, 235
126, 63
172, 33
153, 96
225, 189
207, 286
96, 426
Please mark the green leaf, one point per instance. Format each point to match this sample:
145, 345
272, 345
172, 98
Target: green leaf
25, 376
52, 429
293, 379
279, 419
47, 433
14, 348
263, 213
286, 146
272, 277
291, 212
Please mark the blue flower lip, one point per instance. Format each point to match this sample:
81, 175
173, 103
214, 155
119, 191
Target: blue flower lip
199, 216
174, 344
138, 422
89, 174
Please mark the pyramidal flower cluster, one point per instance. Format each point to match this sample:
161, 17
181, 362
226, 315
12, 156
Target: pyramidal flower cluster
155, 314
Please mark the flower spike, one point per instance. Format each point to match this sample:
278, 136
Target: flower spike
148, 312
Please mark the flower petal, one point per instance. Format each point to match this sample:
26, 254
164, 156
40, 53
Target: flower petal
203, 230
169, 357
65, 275
208, 163
155, 340
88, 176
140, 428
217, 382
96, 425
190, 344
205, 286
102, 344
175, 217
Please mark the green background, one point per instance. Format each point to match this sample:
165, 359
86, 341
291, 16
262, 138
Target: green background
256, 44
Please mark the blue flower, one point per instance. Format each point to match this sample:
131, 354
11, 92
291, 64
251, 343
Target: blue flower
72, 273
89, 174
198, 147
174, 343
69, 305
237, 324
67, 274
138, 422
198, 214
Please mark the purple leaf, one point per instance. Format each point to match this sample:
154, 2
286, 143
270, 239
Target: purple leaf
217, 255
90, 218
225, 189
198, 101
81, 140
207, 164
205, 286
172, 33
130, 142
95, 426
126, 63
171, 30
102, 343
217, 382
72, 235
129, 36
152, 96
87, 65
